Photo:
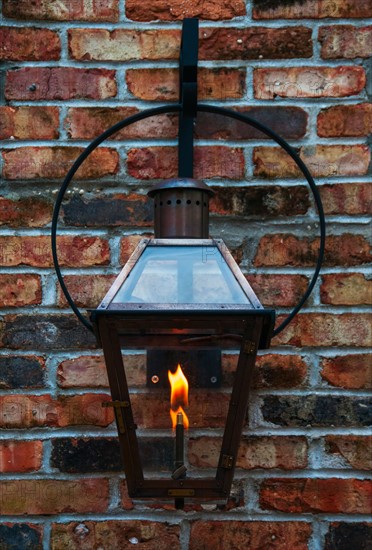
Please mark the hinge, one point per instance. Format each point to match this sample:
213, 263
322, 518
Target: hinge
227, 462
249, 347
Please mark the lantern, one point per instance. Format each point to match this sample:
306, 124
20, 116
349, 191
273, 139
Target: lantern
180, 301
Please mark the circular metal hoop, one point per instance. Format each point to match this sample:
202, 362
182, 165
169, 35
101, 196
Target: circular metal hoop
174, 108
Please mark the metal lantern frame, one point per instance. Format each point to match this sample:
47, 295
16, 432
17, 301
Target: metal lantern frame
142, 326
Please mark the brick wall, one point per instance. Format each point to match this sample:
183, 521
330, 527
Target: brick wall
75, 67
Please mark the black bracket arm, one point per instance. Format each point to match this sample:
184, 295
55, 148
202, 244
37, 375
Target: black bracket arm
188, 96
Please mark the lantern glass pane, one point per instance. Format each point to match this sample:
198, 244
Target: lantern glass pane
181, 275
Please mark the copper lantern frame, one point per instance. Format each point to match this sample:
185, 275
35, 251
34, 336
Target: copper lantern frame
247, 327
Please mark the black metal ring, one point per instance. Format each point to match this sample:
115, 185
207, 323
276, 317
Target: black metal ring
207, 109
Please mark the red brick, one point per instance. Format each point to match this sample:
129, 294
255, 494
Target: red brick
324, 329
25, 212
35, 83
285, 249
255, 43
90, 371
29, 44
64, 10
29, 122
278, 290
345, 121
123, 44
115, 534
30, 411
311, 9
348, 371
349, 198
89, 122
345, 496
345, 41
223, 535
54, 162
87, 291
296, 82
286, 453
36, 251
52, 496
355, 449
170, 10
20, 289
210, 162
162, 84
206, 410
20, 456
271, 370
350, 289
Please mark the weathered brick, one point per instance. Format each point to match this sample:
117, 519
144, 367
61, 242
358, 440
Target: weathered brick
221, 535
89, 122
255, 43
278, 290
334, 495
170, 10
346, 535
36, 251
35, 83
349, 198
348, 371
20, 456
345, 41
21, 536
289, 122
355, 449
119, 209
322, 161
29, 122
286, 249
151, 410
64, 10
260, 201
18, 371
44, 332
103, 454
317, 329
18, 290
87, 291
51, 496
115, 534
296, 82
271, 370
90, 371
345, 120
210, 162
286, 453
346, 289
310, 9
29, 44
316, 410
25, 212
123, 44
54, 162
163, 84
29, 411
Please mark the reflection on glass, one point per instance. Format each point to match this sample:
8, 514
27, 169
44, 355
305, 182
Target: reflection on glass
181, 275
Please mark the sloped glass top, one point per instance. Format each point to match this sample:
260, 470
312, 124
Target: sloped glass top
193, 274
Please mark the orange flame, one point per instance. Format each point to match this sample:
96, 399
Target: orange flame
179, 395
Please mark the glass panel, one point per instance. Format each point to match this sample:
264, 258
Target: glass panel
181, 275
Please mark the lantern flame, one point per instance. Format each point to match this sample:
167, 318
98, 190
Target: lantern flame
179, 396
